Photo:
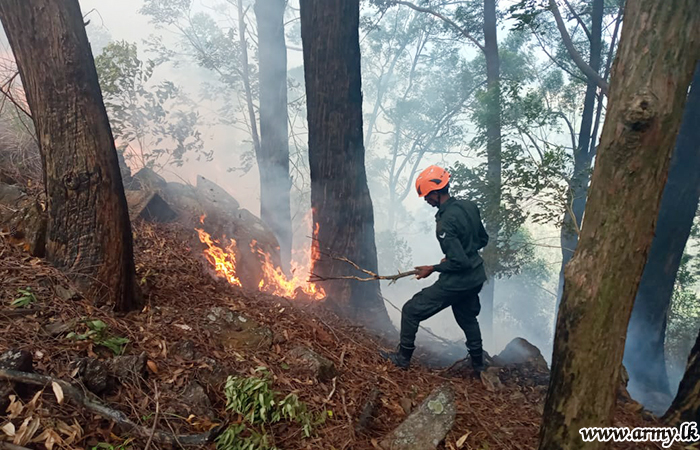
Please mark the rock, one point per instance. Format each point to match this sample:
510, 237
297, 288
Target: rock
149, 206
59, 327
225, 221
491, 380
368, 411
211, 192
212, 373
321, 367
406, 405
520, 351
237, 331
20, 360
66, 293
197, 401
94, 374
428, 425
184, 349
128, 368
147, 179
23, 219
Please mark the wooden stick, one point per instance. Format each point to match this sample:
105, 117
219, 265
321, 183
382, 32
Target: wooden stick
118, 417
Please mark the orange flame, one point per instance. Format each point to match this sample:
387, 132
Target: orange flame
274, 280
224, 262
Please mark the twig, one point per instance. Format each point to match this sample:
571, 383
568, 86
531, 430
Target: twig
332, 390
155, 417
118, 417
347, 414
314, 278
478, 419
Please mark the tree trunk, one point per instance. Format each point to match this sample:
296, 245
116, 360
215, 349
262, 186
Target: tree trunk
339, 194
686, 405
89, 234
644, 352
273, 157
493, 157
578, 185
649, 85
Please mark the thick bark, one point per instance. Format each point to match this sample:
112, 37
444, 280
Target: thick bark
89, 233
649, 85
493, 157
578, 185
273, 157
686, 405
339, 194
644, 352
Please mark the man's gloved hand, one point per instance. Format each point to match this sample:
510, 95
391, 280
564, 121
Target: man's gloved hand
424, 271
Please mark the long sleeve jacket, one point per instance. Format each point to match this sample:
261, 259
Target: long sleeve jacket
461, 235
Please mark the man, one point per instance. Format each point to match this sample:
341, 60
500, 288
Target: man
461, 235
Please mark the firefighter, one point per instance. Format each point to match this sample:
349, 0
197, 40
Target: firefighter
461, 235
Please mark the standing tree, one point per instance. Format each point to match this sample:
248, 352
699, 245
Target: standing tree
273, 155
644, 351
89, 234
686, 405
342, 207
659, 49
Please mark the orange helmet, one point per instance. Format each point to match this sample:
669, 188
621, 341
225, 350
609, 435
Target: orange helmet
431, 179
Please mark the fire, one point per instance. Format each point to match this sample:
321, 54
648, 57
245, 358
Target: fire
224, 262
274, 280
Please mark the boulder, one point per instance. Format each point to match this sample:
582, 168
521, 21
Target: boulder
428, 425
224, 221
184, 349
518, 352
319, 366
94, 374
197, 401
491, 380
20, 360
149, 206
23, 219
147, 179
129, 368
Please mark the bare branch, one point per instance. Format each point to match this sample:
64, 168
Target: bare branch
314, 278
77, 396
575, 55
578, 18
444, 18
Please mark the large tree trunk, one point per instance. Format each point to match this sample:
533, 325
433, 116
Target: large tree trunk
273, 157
342, 207
578, 185
491, 211
686, 405
644, 352
89, 234
649, 84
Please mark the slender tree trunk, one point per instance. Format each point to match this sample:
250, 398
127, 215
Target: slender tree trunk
273, 157
578, 185
339, 194
493, 156
89, 234
686, 405
649, 85
644, 352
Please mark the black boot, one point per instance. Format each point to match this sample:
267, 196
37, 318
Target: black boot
401, 358
477, 358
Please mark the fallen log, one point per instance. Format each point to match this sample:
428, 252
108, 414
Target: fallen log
77, 396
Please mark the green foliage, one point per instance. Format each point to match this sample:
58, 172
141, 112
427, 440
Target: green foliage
27, 298
97, 332
258, 405
153, 123
106, 446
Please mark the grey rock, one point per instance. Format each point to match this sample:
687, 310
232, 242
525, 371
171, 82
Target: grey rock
521, 352
94, 374
66, 293
491, 380
147, 179
149, 206
197, 400
321, 367
59, 327
211, 192
20, 360
184, 349
428, 425
129, 367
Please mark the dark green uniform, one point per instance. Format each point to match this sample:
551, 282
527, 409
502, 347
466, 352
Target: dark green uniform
461, 235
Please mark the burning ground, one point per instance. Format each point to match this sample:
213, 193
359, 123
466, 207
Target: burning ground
194, 332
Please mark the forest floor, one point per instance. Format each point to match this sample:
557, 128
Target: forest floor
185, 360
